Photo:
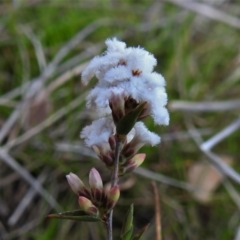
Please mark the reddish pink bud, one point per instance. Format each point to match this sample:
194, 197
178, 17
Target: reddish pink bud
95, 180
116, 104
87, 206
112, 142
107, 160
93, 210
75, 183
84, 203
133, 163
113, 194
96, 195
129, 152
138, 159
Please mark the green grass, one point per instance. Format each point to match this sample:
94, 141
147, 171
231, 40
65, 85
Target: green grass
197, 57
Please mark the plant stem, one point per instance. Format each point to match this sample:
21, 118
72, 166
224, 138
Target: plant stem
109, 226
114, 181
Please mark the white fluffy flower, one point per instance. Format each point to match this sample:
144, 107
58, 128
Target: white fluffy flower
98, 132
128, 71
140, 136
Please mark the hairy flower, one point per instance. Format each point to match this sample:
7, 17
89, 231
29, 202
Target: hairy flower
142, 136
98, 132
127, 72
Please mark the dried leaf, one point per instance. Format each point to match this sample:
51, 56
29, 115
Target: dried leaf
206, 179
37, 110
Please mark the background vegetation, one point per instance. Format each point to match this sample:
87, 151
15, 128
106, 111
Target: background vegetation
44, 46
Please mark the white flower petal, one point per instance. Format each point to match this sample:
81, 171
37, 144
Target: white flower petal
115, 45
119, 73
98, 132
144, 136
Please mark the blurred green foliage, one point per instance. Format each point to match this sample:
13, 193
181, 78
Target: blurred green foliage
197, 56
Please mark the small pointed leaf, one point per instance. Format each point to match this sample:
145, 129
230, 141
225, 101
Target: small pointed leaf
125, 124
127, 235
77, 215
127, 225
139, 235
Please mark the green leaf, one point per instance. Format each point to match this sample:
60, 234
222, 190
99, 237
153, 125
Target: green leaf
139, 235
127, 235
77, 215
125, 124
127, 225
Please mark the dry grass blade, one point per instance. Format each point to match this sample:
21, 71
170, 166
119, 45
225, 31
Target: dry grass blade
37, 46
208, 11
48, 122
77, 39
26, 200
213, 106
231, 128
237, 237
12, 163
14, 93
9, 123
38, 82
222, 167
65, 77
213, 158
20, 231
163, 179
232, 192
183, 135
79, 149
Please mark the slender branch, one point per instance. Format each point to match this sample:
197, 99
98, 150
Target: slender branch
109, 226
114, 181
158, 229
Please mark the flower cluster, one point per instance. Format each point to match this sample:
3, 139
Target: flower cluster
95, 201
127, 91
126, 74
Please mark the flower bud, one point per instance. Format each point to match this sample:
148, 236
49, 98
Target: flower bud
112, 142
138, 159
107, 160
84, 203
104, 153
87, 206
75, 183
133, 163
93, 211
116, 104
95, 180
113, 194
